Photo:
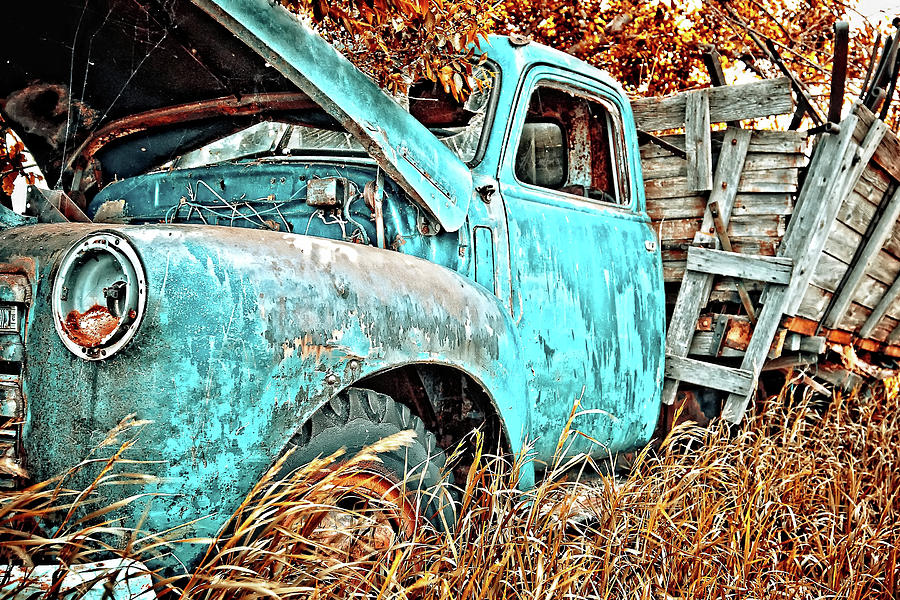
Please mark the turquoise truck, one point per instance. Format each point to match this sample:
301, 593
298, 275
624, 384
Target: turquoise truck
258, 250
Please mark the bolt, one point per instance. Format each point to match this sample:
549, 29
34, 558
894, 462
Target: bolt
353, 364
734, 141
424, 228
331, 379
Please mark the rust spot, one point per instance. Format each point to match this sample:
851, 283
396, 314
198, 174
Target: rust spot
90, 328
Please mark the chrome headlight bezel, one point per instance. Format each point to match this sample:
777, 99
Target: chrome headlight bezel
99, 295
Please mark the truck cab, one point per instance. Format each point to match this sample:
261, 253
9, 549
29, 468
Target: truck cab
224, 268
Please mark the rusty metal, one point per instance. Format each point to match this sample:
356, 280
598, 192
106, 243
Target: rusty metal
226, 106
328, 192
838, 70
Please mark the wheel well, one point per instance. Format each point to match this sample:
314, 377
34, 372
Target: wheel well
450, 403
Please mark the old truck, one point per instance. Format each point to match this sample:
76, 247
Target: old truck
258, 250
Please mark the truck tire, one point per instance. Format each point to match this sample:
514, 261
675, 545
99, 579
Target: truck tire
357, 418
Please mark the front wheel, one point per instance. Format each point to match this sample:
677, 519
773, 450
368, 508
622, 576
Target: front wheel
408, 480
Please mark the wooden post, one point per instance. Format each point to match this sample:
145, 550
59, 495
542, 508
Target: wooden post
695, 286
698, 142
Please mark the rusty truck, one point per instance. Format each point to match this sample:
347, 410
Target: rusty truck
256, 249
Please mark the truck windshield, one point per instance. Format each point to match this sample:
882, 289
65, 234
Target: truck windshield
459, 125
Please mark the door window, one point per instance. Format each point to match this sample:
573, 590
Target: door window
570, 143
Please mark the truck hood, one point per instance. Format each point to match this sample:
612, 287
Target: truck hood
69, 67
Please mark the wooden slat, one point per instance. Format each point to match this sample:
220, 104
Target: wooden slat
761, 161
754, 226
726, 103
835, 172
869, 253
757, 351
745, 205
765, 182
696, 287
734, 381
698, 142
842, 242
770, 269
888, 153
880, 309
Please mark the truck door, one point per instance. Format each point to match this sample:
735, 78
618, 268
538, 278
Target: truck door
586, 273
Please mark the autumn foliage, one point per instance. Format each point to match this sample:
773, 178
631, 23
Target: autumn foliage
12, 164
653, 47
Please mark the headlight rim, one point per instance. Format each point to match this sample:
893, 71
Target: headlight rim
123, 251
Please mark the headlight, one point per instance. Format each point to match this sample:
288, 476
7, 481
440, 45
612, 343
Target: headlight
99, 295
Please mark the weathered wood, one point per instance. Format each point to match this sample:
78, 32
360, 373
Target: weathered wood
881, 309
770, 269
894, 336
727, 379
771, 181
729, 103
841, 244
757, 351
828, 275
761, 161
698, 142
753, 226
826, 185
696, 287
864, 261
788, 362
744, 205
782, 142
888, 153
795, 342
663, 167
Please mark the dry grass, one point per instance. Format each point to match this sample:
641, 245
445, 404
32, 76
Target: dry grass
798, 503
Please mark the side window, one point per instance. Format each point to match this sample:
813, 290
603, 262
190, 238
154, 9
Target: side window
570, 143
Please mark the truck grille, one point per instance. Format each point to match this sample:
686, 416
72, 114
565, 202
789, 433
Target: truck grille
15, 299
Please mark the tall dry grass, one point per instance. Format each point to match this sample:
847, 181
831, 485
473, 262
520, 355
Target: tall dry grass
800, 502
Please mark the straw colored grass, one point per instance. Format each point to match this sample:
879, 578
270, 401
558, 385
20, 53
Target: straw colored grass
799, 502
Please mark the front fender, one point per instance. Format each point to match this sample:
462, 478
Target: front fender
246, 334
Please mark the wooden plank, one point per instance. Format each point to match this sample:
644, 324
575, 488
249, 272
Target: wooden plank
663, 167
745, 205
864, 261
837, 170
761, 161
727, 379
757, 351
880, 310
888, 153
727, 103
770, 269
830, 272
698, 142
754, 226
762, 204
785, 143
771, 181
794, 142
696, 287
841, 244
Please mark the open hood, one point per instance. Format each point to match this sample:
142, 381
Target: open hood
70, 67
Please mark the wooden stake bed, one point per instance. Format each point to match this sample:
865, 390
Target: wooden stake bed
811, 225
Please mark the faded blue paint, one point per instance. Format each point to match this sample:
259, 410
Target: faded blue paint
242, 329
244, 326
